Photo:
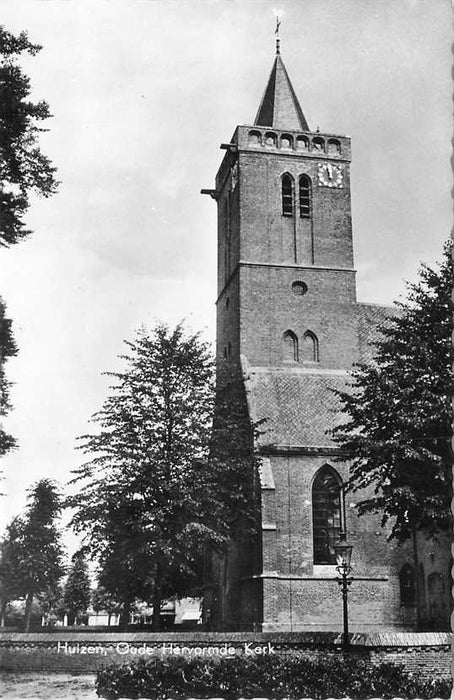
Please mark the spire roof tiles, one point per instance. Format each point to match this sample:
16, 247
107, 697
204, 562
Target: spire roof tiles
280, 108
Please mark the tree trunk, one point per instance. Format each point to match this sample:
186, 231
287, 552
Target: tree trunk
28, 611
3, 605
157, 600
125, 613
417, 583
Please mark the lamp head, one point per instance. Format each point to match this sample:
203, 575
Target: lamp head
343, 552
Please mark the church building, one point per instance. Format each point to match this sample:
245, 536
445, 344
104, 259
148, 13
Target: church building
289, 323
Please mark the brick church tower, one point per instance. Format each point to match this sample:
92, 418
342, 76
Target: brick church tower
289, 322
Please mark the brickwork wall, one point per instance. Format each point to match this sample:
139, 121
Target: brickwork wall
87, 651
269, 308
267, 236
256, 305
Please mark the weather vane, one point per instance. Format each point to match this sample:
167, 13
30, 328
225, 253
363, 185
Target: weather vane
276, 32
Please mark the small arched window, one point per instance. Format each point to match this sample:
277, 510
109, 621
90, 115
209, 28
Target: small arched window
407, 586
305, 197
287, 195
290, 346
334, 146
310, 347
255, 138
302, 143
326, 514
318, 144
286, 141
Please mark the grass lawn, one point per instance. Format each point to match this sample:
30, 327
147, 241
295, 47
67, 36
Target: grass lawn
52, 686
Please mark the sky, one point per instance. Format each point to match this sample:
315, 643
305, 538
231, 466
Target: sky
142, 94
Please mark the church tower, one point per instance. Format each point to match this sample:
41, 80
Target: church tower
288, 322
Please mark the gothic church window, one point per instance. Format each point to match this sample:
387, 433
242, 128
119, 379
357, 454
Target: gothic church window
305, 197
326, 514
310, 347
290, 346
407, 586
287, 195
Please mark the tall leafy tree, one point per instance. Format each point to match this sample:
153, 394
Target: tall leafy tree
102, 600
146, 503
7, 349
35, 557
398, 411
24, 169
9, 557
76, 597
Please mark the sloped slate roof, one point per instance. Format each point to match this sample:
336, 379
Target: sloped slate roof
280, 107
297, 407
369, 318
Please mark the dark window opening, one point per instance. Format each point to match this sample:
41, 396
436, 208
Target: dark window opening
407, 586
305, 197
287, 196
326, 514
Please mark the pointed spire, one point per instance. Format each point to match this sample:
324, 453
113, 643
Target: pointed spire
280, 107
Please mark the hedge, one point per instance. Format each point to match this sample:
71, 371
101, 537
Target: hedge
277, 677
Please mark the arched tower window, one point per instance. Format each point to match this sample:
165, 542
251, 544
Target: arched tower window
326, 514
407, 586
287, 195
305, 197
310, 347
290, 346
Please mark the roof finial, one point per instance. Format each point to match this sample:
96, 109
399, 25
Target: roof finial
278, 14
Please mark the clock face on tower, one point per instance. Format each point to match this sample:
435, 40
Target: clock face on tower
330, 175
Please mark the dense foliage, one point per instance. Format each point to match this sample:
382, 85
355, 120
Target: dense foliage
32, 554
149, 500
398, 411
276, 676
77, 594
23, 168
7, 349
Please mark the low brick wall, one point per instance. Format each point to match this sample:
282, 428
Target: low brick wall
428, 654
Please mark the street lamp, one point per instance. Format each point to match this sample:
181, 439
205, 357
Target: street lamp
343, 554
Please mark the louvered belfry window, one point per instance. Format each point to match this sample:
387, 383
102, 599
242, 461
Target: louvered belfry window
305, 197
287, 195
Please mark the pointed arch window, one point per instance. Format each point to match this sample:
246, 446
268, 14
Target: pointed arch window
290, 346
407, 586
305, 197
287, 195
327, 514
310, 347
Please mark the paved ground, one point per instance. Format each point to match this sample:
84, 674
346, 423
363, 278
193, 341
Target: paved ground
52, 686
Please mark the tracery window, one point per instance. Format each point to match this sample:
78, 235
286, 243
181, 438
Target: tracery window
326, 514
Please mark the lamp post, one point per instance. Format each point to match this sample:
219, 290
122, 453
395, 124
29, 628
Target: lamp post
343, 554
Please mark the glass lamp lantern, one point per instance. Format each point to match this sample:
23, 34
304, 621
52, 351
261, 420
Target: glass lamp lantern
343, 553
